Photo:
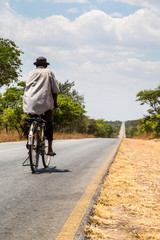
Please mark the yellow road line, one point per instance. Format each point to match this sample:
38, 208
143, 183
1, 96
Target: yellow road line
72, 224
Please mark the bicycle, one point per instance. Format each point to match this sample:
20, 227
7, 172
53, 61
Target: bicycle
36, 144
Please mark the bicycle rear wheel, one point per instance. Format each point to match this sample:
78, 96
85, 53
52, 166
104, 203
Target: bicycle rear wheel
34, 150
45, 158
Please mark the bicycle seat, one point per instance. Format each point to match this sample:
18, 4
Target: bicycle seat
35, 118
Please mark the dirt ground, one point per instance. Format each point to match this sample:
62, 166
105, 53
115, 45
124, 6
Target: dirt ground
129, 204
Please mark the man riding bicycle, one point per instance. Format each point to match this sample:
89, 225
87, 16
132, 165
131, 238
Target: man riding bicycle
40, 97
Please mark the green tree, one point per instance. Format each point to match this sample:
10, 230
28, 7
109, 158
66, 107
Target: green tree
103, 129
12, 119
92, 126
116, 125
151, 98
11, 109
151, 124
66, 90
13, 96
1, 120
70, 116
134, 128
1, 104
9, 62
70, 113
82, 126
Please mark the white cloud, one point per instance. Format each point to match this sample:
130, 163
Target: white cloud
71, 1
104, 55
72, 10
154, 4
31, 0
94, 28
4, 5
116, 14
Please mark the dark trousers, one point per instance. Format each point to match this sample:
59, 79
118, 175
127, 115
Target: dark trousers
48, 117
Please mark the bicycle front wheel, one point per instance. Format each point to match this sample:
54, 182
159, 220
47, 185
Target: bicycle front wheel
34, 151
45, 158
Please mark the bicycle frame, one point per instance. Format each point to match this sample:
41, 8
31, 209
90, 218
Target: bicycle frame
30, 135
37, 125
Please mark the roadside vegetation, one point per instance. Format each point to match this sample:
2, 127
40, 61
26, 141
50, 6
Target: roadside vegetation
149, 126
128, 206
70, 120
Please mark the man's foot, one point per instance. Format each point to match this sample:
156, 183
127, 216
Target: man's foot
51, 153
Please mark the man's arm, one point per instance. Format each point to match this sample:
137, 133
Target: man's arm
54, 89
56, 105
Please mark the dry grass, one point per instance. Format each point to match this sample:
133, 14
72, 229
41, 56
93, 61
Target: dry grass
129, 205
72, 135
13, 136
145, 136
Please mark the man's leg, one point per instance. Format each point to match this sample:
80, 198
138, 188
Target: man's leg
48, 117
50, 150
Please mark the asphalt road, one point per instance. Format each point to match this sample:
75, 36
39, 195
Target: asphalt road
36, 206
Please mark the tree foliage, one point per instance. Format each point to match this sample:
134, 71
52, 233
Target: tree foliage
133, 128
13, 119
9, 62
149, 124
13, 96
11, 109
66, 90
103, 129
69, 117
151, 98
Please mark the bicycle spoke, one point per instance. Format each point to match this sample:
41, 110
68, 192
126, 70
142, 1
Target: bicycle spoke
34, 151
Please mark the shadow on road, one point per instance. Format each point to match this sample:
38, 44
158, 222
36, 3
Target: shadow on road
52, 170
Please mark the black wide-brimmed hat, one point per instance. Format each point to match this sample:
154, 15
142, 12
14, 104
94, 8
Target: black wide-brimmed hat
41, 60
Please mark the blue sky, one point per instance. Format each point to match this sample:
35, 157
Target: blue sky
70, 10
110, 48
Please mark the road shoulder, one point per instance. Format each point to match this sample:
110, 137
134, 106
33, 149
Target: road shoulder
74, 221
128, 206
